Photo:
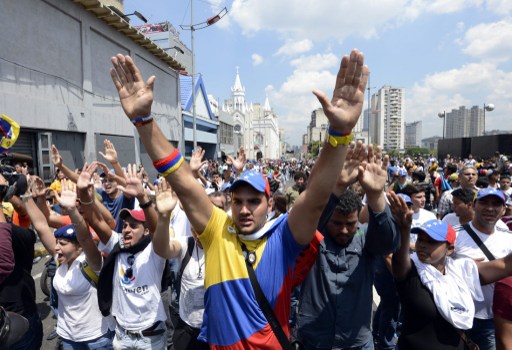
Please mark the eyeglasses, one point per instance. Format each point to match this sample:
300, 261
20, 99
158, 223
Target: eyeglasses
129, 271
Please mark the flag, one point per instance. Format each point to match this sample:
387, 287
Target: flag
10, 131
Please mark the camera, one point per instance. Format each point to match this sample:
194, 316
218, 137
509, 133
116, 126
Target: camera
17, 182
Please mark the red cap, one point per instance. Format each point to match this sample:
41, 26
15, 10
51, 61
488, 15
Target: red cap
136, 214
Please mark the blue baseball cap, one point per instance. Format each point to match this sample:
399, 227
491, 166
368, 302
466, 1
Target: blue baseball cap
406, 197
225, 186
67, 232
437, 230
253, 178
489, 191
402, 172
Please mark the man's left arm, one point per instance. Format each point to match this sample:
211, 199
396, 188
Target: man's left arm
343, 111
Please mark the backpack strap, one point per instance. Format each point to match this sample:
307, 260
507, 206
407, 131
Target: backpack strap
478, 241
89, 274
190, 246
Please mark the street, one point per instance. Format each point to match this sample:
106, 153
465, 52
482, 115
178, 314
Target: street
43, 304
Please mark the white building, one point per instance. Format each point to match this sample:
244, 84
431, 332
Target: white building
255, 126
413, 134
465, 122
387, 127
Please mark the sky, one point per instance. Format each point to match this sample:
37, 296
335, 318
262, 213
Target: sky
444, 53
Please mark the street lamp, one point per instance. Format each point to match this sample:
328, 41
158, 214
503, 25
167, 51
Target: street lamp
443, 115
193, 28
178, 49
488, 108
125, 16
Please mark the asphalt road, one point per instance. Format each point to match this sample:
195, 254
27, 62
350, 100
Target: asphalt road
43, 304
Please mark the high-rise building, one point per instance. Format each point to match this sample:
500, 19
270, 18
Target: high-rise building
413, 134
386, 122
465, 122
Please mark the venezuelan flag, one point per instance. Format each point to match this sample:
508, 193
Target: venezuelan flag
10, 131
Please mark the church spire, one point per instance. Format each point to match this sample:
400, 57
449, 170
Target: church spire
238, 85
267, 107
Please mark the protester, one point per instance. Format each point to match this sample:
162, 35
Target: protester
232, 315
436, 291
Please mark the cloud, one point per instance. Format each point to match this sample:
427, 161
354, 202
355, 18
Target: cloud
293, 100
295, 47
336, 20
256, 59
501, 7
470, 85
489, 41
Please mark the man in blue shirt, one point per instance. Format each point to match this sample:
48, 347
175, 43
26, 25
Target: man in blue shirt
336, 297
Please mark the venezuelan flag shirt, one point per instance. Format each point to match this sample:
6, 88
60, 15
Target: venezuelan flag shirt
232, 317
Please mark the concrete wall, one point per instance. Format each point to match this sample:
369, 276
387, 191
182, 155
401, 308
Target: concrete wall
54, 73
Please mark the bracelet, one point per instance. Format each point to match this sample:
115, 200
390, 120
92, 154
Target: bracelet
146, 205
335, 133
142, 121
25, 197
169, 164
86, 203
335, 141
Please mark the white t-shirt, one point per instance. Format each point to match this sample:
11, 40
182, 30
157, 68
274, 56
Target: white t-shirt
192, 286
452, 219
499, 244
180, 223
79, 318
136, 301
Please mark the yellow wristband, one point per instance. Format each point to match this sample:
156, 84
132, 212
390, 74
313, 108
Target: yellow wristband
334, 141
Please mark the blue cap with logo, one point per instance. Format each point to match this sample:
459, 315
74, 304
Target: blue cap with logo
402, 172
253, 178
67, 232
437, 230
489, 191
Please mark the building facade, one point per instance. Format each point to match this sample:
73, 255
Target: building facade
413, 134
54, 82
465, 122
387, 118
255, 126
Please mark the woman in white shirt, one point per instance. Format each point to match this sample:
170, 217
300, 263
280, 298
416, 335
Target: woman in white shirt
80, 323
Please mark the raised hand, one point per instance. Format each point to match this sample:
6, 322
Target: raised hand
56, 157
355, 156
67, 198
401, 212
133, 186
37, 187
373, 172
196, 161
85, 179
165, 200
110, 154
136, 95
106, 170
240, 161
346, 105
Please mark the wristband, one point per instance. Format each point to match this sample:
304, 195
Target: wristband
86, 203
146, 205
336, 133
142, 121
335, 141
169, 164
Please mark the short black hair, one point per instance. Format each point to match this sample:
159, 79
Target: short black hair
465, 195
298, 175
419, 175
349, 202
451, 168
412, 189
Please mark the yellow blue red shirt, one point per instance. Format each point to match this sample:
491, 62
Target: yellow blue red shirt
232, 317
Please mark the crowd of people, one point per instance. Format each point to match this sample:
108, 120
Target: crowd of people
227, 255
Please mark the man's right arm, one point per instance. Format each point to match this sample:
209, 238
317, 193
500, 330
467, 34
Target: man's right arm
136, 99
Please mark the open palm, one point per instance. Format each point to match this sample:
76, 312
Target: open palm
346, 104
373, 172
67, 198
136, 95
165, 200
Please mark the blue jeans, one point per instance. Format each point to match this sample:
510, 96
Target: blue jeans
101, 343
125, 341
33, 338
483, 333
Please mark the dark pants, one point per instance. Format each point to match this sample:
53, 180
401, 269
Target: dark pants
185, 337
33, 338
386, 318
483, 334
